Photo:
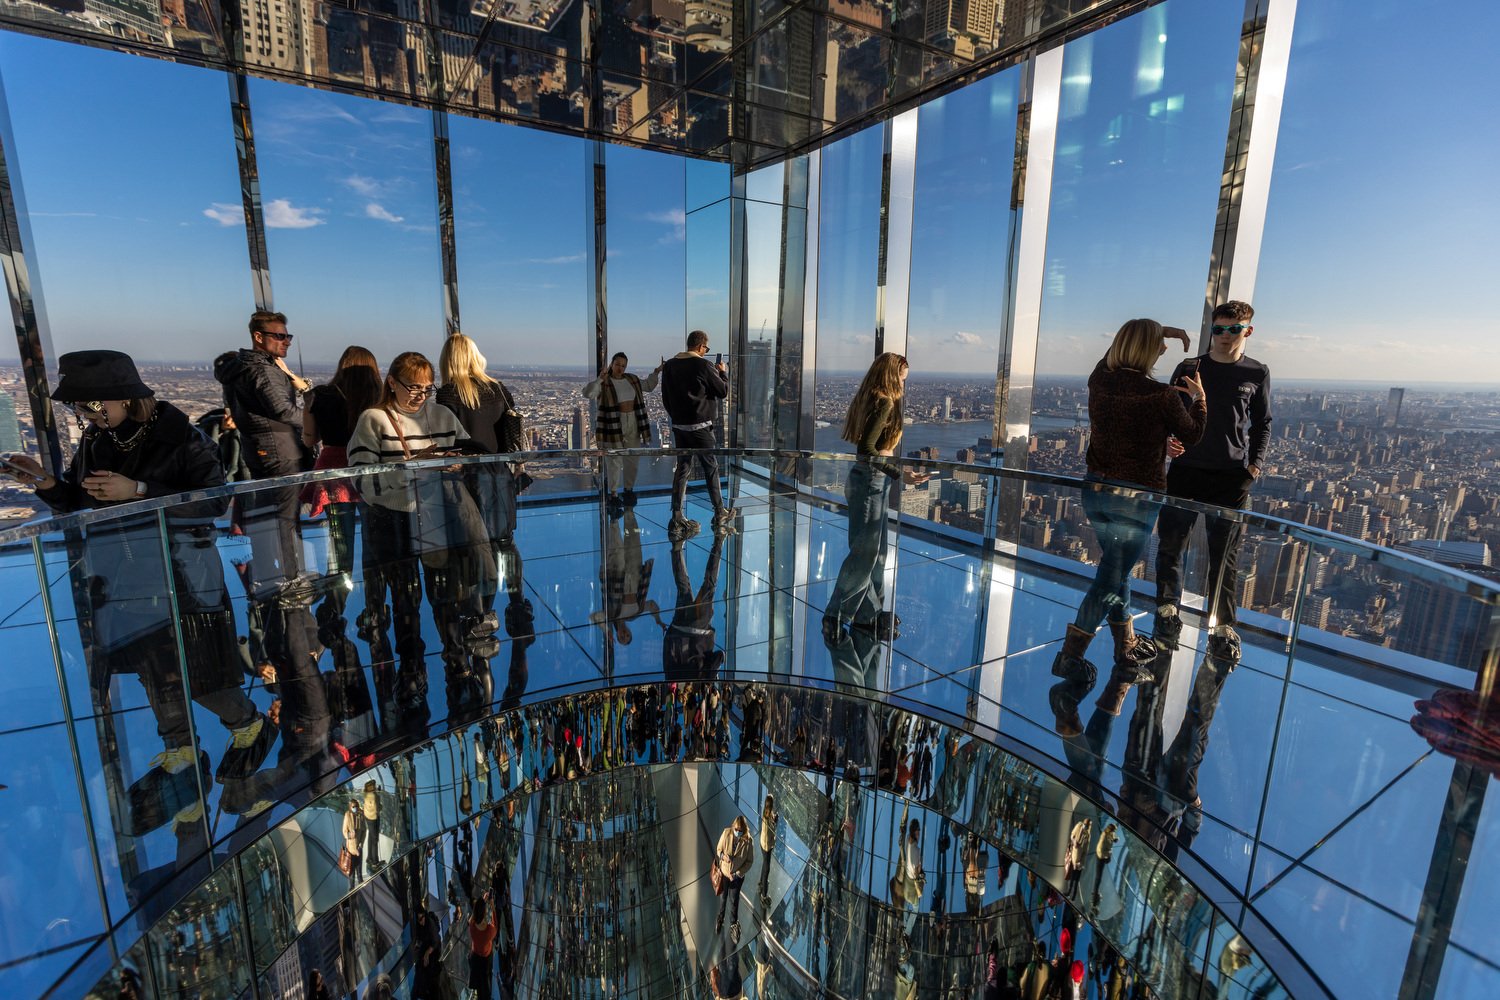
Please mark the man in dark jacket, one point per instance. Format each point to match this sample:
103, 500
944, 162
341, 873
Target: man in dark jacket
690, 391
1219, 469
260, 393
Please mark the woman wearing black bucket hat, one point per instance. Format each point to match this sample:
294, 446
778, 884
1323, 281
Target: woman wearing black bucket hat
135, 447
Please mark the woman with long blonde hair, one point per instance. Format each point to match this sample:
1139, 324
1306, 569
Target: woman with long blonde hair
1131, 417
481, 402
874, 426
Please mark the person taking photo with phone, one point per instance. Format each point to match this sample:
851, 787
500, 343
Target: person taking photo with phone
1132, 416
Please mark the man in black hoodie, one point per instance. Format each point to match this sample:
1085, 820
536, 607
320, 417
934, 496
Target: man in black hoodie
261, 394
690, 391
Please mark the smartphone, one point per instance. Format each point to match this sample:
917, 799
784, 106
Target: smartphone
13, 468
719, 359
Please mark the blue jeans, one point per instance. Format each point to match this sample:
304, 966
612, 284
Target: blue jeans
1123, 525
859, 593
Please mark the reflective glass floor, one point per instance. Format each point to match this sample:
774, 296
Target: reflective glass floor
1289, 785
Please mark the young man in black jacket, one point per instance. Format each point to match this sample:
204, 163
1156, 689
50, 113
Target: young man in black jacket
261, 394
690, 390
1219, 470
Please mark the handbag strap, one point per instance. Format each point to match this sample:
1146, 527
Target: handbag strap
400, 434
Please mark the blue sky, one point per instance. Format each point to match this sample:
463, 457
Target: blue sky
1380, 217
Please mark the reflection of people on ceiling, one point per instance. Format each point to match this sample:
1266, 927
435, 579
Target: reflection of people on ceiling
687, 651
874, 426
1133, 416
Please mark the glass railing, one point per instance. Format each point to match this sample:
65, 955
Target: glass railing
1323, 783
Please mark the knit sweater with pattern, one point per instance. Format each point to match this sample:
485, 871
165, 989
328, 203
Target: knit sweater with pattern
377, 440
1131, 415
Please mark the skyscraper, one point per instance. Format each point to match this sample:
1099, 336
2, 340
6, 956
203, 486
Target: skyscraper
10, 428
1393, 407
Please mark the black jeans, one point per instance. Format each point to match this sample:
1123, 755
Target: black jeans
1223, 488
707, 461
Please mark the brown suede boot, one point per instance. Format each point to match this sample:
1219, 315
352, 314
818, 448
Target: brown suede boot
1134, 654
1112, 695
1070, 661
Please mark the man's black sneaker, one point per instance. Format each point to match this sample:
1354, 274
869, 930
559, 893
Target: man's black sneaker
1167, 629
1224, 644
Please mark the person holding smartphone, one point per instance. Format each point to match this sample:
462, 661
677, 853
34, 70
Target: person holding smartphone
1217, 469
691, 389
422, 528
1132, 416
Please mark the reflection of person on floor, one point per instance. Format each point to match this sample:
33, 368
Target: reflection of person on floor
687, 650
1104, 852
734, 855
874, 426
520, 624
1160, 789
426, 947
1077, 855
353, 831
768, 820
482, 931
1133, 416
135, 447
371, 809
627, 579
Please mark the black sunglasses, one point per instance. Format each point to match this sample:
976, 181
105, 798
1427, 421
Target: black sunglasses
276, 336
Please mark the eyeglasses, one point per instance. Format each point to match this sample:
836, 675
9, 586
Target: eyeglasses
276, 336
1229, 331
417, 390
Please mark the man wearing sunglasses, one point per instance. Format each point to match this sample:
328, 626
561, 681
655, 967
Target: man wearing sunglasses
261, 394
1219, 470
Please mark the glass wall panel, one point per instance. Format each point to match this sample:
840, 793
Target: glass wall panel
129, 171
1381, 217
350, 200
518, 211
848, 255
646, 214
1140, 151
963, 231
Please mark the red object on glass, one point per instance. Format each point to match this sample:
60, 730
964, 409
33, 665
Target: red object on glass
1077, 972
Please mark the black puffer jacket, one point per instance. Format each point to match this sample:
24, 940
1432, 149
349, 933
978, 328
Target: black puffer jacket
124, 575
263, 402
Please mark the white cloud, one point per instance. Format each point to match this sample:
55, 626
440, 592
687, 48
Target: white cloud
965, 339
365, 187
674, 217
282, 214
574, 258
376, 211
226, 214
64, 215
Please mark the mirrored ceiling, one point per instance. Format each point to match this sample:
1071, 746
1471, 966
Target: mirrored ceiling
741, 80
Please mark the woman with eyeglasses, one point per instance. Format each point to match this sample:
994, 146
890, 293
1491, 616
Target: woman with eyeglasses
137, 447
422, 518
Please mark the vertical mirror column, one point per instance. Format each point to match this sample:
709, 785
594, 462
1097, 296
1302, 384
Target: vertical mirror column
33, 344
898, 186
1031, 198
1249, 153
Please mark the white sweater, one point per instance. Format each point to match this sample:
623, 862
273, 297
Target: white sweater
375, 441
